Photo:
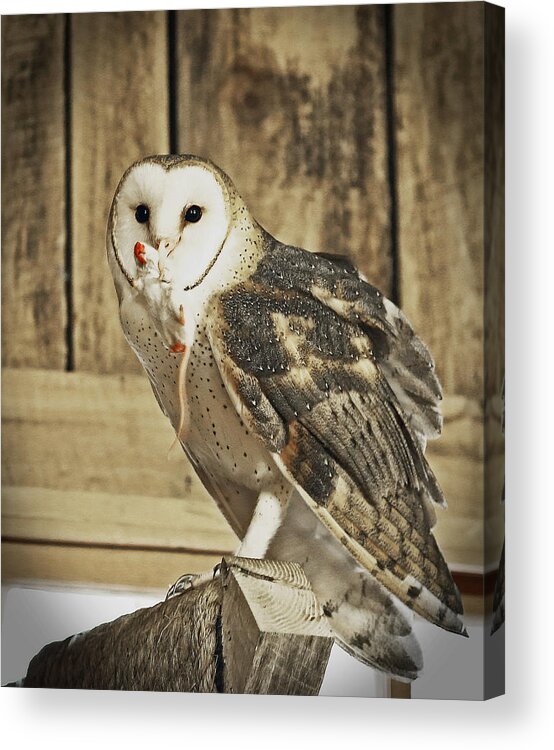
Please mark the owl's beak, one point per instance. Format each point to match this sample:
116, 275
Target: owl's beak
165, 246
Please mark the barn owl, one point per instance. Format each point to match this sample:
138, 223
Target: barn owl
300, 394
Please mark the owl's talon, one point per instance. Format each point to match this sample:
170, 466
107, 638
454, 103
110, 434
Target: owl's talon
191, 581
183, 584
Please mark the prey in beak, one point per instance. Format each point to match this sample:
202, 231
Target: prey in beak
164, 303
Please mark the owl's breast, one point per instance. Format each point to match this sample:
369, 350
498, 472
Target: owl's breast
217, 436
161, 366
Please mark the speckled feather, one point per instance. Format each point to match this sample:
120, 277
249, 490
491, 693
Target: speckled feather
311, 384
303, 380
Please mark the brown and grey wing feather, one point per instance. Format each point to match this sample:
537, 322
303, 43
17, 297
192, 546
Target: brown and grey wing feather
308, 381
403, 357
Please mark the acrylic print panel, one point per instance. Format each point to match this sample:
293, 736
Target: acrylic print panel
322, 405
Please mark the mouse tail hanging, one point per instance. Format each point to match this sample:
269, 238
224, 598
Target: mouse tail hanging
181, 431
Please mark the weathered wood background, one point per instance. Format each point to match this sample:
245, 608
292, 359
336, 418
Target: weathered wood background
358, 130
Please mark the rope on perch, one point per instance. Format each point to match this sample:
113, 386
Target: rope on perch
256, 628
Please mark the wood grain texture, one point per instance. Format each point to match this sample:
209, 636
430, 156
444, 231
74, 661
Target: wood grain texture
438, 95
275, 639
84, 459
188, 642
494, 309
171, 646
291, 104
90, 433
33, 192
80, 564
119, 85
137, 522
457, 460
494, 209
85, 470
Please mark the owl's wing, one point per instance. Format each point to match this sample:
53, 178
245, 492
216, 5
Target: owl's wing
403, 357
323, 370
366, 620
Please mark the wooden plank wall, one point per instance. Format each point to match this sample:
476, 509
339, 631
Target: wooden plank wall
355, 129
301, 98
119, 110
34, 230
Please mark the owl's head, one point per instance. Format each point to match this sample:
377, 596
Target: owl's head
180, 205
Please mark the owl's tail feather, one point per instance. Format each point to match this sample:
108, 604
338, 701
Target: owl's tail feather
398, 655
366, 620
370, 626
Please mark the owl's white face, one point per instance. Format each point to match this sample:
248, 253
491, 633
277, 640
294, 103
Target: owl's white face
182, 211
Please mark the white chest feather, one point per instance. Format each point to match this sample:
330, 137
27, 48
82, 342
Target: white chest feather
217, 436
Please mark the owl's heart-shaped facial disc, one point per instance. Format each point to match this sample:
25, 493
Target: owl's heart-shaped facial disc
182, 213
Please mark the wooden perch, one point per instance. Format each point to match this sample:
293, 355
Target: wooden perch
256, 628
275, 638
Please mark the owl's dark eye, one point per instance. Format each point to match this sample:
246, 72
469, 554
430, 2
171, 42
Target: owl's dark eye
142, 214
193, 214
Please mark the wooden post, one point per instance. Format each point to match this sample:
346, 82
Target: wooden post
274, 638
400, 689
256, 628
